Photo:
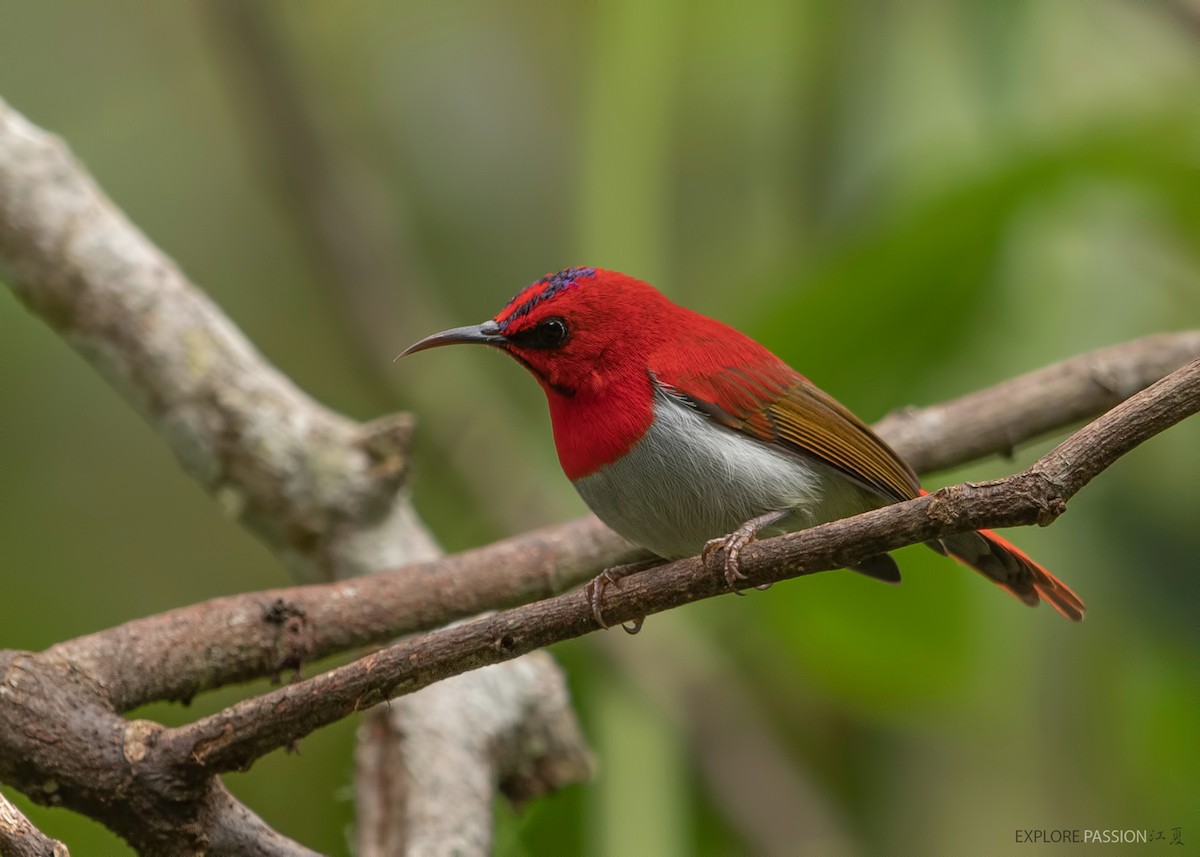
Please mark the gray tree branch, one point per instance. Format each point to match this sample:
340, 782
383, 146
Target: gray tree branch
326, 493
323, 491
349, 227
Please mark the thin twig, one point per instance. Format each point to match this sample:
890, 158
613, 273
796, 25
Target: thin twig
19, 838
189, 650
1000, 418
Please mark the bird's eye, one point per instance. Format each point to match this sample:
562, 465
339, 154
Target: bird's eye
548, 333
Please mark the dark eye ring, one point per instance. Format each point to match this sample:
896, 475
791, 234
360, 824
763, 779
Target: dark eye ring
547, 333
551, 333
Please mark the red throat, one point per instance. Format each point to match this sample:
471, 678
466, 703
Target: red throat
595, 427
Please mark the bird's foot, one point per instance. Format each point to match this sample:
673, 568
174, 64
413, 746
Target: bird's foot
594, 591
733, 544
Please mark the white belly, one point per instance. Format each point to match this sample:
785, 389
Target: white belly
689, 480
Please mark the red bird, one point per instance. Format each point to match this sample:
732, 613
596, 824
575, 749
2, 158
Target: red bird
684, 435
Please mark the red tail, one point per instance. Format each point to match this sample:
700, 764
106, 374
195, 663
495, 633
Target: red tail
1009, 566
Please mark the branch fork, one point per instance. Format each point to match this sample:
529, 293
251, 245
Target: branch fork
328, 496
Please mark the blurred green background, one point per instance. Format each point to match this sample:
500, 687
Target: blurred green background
907, 201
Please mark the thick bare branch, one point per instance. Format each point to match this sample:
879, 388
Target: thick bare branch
324, 492
180, 653
350, 230
62, 746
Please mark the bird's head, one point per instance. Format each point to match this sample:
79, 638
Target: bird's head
579, 329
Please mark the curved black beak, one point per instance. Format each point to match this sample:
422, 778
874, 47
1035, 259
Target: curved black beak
487, 333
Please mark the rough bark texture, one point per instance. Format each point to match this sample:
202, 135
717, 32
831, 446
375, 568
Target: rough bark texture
236, 736
59, 727
322, 490
327, 495
19, 838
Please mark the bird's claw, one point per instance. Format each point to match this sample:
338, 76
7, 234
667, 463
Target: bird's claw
594, 592
731, 545
634, 626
